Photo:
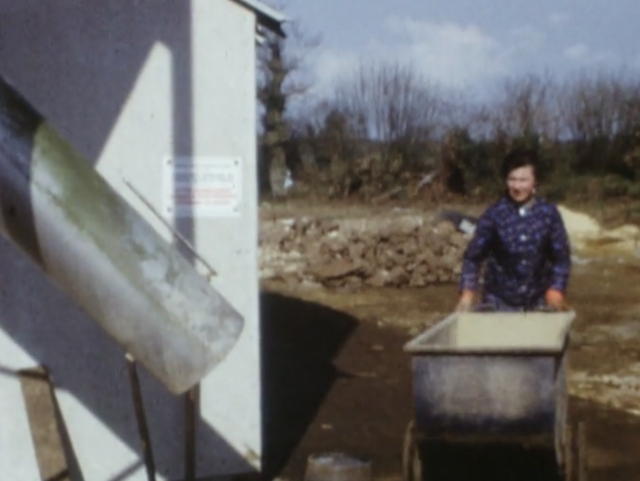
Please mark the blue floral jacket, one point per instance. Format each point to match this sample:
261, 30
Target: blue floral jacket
524, 250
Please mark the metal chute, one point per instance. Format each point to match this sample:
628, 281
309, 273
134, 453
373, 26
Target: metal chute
94, 246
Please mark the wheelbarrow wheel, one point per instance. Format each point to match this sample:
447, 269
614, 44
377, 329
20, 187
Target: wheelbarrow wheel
411, 458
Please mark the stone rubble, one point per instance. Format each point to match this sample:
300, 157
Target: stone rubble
404, 251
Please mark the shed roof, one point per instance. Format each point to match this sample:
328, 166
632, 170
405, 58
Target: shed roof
266, 16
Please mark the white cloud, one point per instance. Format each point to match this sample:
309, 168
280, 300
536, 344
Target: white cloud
445, 52
581, 53
527, 38
459, 56
577, 52
558, 19
453, 55
331, 65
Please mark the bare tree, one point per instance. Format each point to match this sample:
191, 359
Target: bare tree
601, 115
590, 105
391, 104
281, 62
527, 107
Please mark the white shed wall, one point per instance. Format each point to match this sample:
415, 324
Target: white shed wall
131, 83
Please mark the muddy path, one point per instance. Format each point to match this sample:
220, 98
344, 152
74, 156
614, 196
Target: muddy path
336, 378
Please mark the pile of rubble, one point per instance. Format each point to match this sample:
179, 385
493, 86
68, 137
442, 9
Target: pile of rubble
401, 251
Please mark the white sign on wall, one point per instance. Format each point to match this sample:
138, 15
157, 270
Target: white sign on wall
202, 186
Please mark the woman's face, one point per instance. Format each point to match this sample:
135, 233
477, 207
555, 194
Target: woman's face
521, 184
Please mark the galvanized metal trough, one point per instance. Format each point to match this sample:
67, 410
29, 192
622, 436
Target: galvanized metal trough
491, 378
59, 211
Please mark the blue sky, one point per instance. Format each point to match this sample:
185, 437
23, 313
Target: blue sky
471, 44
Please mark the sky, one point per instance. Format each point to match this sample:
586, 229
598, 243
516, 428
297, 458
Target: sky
470, 45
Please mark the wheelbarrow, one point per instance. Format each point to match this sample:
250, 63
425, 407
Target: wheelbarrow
493, 378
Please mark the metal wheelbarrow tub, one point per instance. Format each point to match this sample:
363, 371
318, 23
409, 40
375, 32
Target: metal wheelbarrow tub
496, 378
491, 377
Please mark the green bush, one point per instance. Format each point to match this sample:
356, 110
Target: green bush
634, 190
615, 186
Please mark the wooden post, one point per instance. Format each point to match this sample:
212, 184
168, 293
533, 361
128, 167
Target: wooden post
45, 431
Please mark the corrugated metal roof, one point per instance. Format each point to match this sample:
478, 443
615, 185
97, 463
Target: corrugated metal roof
266, 16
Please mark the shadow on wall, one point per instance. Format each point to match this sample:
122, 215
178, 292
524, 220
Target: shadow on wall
87, 365
300, 341
120, 34
57, 75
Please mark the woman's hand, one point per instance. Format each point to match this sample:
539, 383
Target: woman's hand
555, 299
466, 301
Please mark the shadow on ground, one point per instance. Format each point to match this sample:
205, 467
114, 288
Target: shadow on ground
300, 341
490, 463
612, 438
333, 382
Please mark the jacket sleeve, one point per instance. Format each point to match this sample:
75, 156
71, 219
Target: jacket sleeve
476, 253
560, 252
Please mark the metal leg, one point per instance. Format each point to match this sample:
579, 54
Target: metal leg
143, 430
568, 453
562, 427
406, 452
576, 462
582, 451
191, 416
412, 468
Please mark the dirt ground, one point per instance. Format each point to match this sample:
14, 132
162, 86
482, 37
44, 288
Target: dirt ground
336, 377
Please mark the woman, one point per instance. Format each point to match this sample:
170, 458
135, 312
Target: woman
523, 244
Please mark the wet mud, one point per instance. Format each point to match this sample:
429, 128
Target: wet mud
336, 378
